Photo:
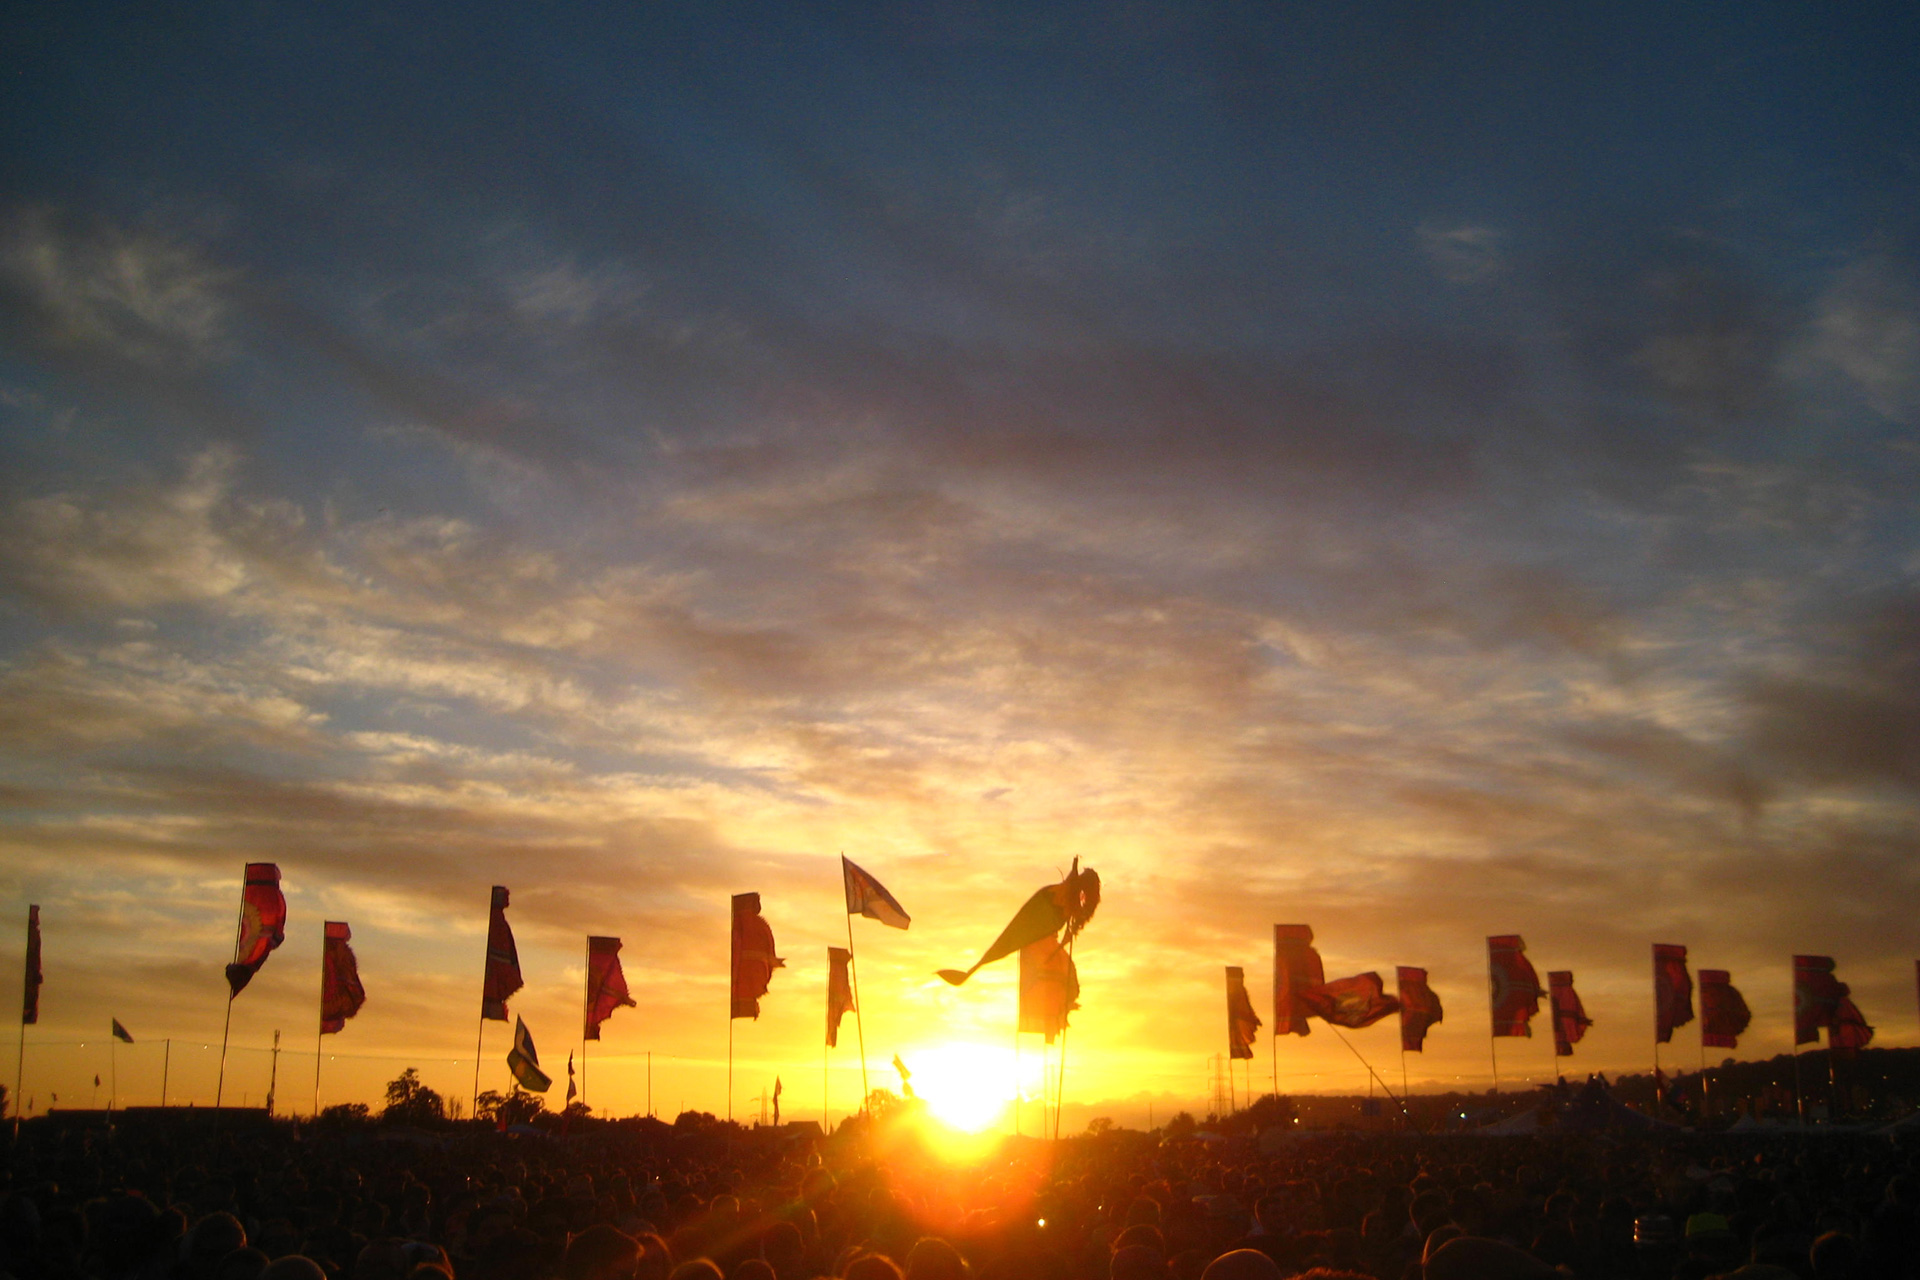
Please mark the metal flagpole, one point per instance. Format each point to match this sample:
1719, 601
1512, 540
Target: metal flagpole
19, 1068
859, 1018
113, 1072
1060, 1089
166, 1065
479, 1036
320, 1036
219, 1089
585, 1010
649, 1082
1370, 1071
1016, 1074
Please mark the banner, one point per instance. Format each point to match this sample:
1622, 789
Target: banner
30, 1002
1243, 1024
839, 992
263, 924
1049, 988
1359, 1001
606, 984
502, 977
1849, 1033
753, 957
1672, 990
524, 1061
1816, 997
341, 994
1515, 986
868, 897
1296, 967
1723, 1013
1570, 1020
1419, 1008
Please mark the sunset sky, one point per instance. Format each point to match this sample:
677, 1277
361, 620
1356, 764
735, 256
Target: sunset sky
1422, 472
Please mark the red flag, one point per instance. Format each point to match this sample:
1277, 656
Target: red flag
839, 992
1296, 966
1049, 987
502, 977
1515, 985
1849, 1033
606, 984
1672, 990
1243, 1024
30, 1005
1359, 1001
1723, 1013
1419, 1007
1816, 996
341, 994
263, 924
1570, 1020
753, 958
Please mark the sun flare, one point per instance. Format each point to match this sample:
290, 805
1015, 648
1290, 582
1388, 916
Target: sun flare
968, 1087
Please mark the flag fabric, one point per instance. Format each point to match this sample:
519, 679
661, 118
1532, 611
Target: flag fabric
524, 1061
606, 984
868, 897
1849, 1032
572, 1091
1816, 996
1296, 967
1723, 1012
1570, 1020
121, 1034
839, 992
1049, 988
1672, 990
1069, 905
502, 976
906, 1076
1514, 984
263, 924
1359, 1001
1243, 1024
776, 1101
753, 957
1419, 1007
341, 994
30, 1001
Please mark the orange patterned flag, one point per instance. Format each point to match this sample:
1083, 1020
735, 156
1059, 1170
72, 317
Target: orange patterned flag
1570, 1020
1243, 1024
502, 976
1049, 988
1515, 985
1672, 990
1723, 1012
606, 984
1816, 996
753, 957
341, 994
1296, 967
1359, 1001
839, 992
263, 924
1419, 1008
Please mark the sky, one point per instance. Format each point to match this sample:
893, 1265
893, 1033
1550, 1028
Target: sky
1420, 471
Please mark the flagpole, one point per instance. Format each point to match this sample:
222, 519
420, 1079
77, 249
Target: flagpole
1016, 1074
166, 1065
1060, 1090
586, 1011
478, 1037
859, 1018
19, 1068
113, 1071
239, 923
320, 1036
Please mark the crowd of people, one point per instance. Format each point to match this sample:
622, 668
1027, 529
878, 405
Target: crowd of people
701, 1201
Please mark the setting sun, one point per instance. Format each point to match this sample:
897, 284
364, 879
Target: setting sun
965, 1086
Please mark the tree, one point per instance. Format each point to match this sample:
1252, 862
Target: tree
1099, 1125
346, 1113
518, 1107
1181, 1126
411, 1102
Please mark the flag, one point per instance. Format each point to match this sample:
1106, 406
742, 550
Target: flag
753, 958
1723, 1013
1816, 996
1672, 990
263, 924
572, 1092
502, 976
96, 1079
1849, 1032
524, 1061
1296, 967
120, 1033
1515, 986
30, 1002
1071, 903
1049, 987
776, 1102
341, 994
606, 984
1570, 1020
868, 897
1419, 1007
906, 1076
1243, 1024
839, 992
1359, 1001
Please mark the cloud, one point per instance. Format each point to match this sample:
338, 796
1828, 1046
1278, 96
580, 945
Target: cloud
1866, 329
1464, 253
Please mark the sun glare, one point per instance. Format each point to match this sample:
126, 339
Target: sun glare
965, 1086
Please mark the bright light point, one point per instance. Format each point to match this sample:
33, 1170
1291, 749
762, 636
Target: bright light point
965, 1086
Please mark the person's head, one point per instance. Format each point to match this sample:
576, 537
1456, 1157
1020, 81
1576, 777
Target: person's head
656, 1259
1140, 1233
293, 1267
696, 1269
1242, 1264
599, 1253
242, 1264
752, 1269
1836, 1256
871, 1266
212, 1238
1478, 1258
785, 1250
1138, 1262
932, 1258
